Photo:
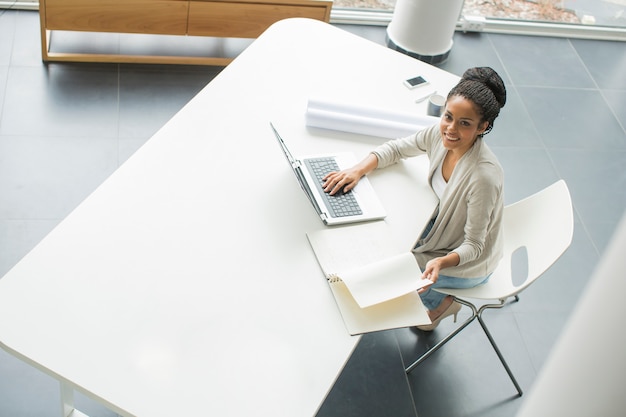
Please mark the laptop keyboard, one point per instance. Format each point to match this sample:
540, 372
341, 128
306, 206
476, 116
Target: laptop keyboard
340, 204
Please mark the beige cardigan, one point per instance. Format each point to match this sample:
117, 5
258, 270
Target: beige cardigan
469, 214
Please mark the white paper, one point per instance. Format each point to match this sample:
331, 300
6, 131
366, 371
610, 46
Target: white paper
384, 280
404, 311
366, 120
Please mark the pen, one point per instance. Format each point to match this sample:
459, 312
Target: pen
419, 100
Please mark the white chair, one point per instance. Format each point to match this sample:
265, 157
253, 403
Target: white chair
543, 225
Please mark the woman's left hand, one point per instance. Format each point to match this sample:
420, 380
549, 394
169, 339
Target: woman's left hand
431, 272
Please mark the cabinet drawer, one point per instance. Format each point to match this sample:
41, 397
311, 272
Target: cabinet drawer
245, 20
136, 16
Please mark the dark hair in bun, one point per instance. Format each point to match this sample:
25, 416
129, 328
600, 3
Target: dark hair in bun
484, 87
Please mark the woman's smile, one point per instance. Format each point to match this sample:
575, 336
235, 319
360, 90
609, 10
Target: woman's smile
460, 124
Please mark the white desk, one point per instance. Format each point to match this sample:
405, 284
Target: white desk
156, 300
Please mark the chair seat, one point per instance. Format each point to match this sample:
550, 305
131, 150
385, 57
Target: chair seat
487, 291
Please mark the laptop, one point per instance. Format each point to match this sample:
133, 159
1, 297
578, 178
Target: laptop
357, 205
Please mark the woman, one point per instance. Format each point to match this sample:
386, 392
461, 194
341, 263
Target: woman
462, 244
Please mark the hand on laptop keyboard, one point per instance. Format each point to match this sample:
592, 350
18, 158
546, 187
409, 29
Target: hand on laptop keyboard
339, 204
340, 181
346, 179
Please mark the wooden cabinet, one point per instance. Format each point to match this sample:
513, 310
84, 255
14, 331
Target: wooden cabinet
247, 19
213, 18
127, 16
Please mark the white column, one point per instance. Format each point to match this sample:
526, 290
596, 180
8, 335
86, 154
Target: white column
424, 28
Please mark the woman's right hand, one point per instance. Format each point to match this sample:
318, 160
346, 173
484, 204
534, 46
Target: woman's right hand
347, 179
342, 181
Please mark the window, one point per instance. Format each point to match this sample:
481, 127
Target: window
604, 19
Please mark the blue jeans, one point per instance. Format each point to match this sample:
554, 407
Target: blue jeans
432, 299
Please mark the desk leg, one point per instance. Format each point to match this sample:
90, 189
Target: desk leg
67, 402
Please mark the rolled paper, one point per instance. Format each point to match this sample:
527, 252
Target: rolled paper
364, 120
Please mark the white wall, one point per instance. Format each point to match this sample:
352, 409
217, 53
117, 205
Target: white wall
585, 374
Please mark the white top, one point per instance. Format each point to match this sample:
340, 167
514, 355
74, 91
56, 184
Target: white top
158, 300
438, 182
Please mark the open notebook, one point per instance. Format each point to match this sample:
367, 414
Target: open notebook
374, 284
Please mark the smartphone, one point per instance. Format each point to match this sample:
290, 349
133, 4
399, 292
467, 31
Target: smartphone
415, 82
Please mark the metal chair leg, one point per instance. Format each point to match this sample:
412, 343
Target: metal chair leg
447, 338
495, 347
476, 314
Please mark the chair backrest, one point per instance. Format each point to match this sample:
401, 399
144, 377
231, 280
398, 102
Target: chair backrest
543, 224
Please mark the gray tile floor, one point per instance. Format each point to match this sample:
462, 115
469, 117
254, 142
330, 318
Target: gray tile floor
65, 127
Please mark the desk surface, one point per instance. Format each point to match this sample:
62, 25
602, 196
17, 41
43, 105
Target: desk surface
157, 300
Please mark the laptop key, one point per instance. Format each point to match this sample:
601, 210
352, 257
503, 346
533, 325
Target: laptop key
340, 205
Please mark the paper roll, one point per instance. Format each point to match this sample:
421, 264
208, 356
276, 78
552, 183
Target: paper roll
364, 120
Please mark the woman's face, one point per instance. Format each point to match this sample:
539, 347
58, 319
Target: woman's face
460, 125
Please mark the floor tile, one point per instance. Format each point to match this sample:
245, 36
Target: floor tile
84, 42
46, 178
167, 88
562, 117
90, 407
540, 331
539, 61
597, 182
18, 237
7, 34
373, 382
137, 44
26, 391
61, 100
27, 43
128, 146
605, 60
4, 73
601, 231
473, 50
514, 127
617, 102
527, 170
